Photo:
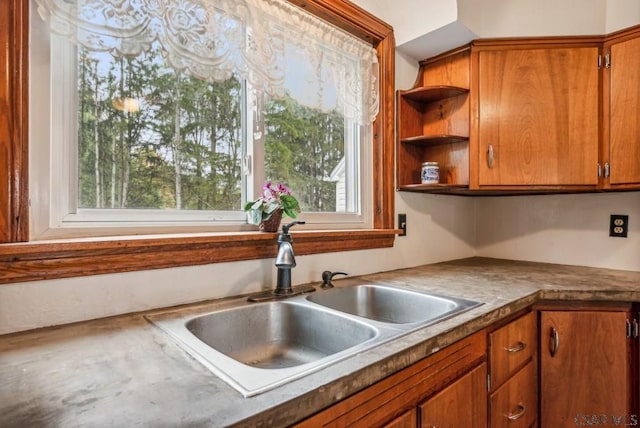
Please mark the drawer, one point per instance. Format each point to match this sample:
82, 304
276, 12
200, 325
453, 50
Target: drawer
515, 404
510, 347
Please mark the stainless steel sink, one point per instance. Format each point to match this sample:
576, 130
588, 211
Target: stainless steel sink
278, 334
258, 346
391, 304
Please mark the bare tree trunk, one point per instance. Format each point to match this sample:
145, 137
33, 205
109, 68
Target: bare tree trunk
96, 142
113, 170
177, 145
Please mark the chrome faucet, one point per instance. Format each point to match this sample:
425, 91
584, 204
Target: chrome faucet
285, 261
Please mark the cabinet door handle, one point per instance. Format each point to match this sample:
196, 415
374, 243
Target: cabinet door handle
520, 346
518, 413
490, 156
554, 342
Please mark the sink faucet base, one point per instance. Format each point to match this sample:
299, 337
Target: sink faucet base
267, 295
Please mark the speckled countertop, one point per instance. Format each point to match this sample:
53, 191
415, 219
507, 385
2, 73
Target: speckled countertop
125, 372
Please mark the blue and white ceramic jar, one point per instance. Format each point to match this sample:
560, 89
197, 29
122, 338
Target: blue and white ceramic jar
430, 173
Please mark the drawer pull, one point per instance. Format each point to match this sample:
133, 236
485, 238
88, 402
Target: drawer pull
554, 342
519, 347
490, 156
518, 414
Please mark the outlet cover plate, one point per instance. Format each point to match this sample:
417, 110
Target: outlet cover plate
618, 225
402, 224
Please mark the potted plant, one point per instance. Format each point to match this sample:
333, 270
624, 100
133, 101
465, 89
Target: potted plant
274, 202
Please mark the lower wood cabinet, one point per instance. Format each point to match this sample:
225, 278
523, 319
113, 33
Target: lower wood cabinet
559, 365
513, 381
454, 378
515, 403
459, 404
586, 368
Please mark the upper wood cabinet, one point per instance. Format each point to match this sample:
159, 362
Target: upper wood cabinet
621, 127
537, 116
553, 114
433, 124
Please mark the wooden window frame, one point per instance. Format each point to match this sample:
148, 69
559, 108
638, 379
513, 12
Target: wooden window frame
21, 260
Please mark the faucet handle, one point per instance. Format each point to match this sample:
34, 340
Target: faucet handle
286, 227
327, 276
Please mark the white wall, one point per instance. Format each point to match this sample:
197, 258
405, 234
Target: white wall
622, 14
514, 18
425, 28
567, 229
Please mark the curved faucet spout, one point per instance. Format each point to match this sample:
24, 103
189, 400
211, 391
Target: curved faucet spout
285, 258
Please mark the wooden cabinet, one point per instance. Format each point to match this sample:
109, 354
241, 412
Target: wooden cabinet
458, 405
406, 420
513, 392
433, 124
454, 377
538, 112
621, 110
585, 367
555, 114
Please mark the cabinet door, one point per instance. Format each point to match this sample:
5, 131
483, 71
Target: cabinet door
406, 420
538, 117
515, 403
624, 131
584, 368
461, 404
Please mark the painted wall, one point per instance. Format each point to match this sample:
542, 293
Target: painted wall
567, 229
425, 28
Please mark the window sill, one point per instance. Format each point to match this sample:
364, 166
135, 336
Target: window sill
35, 261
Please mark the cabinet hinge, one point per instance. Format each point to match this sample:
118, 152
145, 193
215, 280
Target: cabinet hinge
607, 61
632, 329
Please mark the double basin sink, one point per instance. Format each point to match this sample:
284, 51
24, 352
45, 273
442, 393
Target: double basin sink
258, 346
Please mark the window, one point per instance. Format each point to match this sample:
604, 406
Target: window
37, 260
181, 123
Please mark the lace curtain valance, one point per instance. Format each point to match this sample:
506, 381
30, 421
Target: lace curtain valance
262, 41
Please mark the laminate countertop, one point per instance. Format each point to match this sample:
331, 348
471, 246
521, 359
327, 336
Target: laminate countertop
123, 371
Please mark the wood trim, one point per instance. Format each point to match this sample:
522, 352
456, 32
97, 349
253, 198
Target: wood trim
474, 122
349, 17
14, 202
63, 259
622, 35
581, 305
537, 42
384, 138
444, 55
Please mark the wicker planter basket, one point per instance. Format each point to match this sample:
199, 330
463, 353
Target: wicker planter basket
272, 223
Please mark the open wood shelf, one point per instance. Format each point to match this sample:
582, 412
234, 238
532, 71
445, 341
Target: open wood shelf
433, 188
433, 126
427, 94
433, 140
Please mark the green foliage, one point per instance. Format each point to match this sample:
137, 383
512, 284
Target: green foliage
183, 147
271, 200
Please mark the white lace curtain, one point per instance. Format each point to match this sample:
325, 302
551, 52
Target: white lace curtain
257, 40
